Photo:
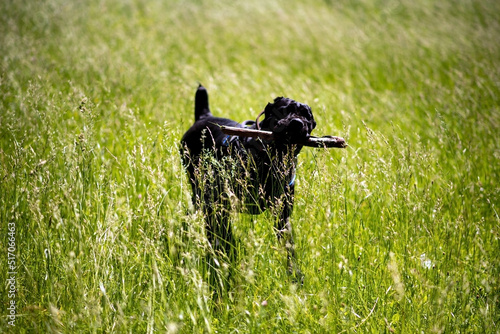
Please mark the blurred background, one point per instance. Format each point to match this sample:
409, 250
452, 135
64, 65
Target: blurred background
398, 232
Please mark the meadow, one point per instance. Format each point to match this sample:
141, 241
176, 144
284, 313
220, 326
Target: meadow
399, 232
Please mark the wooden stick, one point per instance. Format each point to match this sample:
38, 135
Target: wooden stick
326, 141
244, 132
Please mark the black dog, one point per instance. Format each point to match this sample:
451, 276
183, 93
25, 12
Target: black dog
226, 169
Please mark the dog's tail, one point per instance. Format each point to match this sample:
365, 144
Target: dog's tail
201, 108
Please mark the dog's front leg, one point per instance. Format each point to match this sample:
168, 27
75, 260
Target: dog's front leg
222, 254
285, 235
218, 228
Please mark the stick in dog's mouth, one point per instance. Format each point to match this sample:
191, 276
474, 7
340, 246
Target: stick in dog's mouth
326, 141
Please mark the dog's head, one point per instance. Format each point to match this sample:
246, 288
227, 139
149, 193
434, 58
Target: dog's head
290, 121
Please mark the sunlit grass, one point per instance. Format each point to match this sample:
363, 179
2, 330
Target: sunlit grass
398, 232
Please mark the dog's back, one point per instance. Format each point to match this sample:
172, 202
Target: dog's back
205, 133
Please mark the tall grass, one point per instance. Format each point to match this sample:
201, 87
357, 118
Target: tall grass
399, 232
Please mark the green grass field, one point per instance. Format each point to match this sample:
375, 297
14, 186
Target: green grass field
397, 233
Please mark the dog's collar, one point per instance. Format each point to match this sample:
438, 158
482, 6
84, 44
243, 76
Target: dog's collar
228, 140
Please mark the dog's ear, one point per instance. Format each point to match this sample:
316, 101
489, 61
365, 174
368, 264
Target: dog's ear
305, 111
273, 113
278, 109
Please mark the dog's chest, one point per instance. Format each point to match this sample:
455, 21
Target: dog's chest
265, 174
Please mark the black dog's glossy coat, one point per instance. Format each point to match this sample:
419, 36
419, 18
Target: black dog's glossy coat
258, 173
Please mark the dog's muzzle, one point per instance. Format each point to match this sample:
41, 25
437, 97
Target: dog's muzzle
291, 130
